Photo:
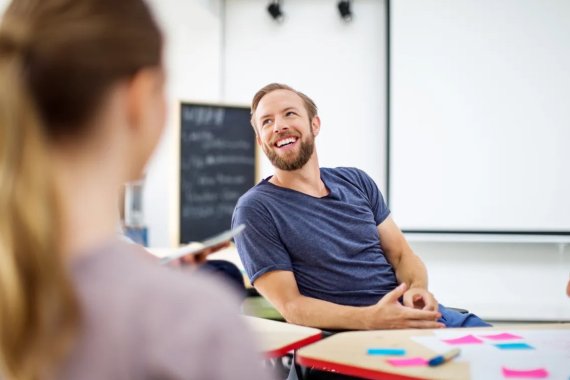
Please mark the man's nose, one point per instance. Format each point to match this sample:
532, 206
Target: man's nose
280, 125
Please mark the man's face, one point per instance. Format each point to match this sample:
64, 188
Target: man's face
285, 133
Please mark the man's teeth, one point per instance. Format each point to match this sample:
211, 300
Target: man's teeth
290, 140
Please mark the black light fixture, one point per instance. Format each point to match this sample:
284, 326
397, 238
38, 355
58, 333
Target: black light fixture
274, 9
344, 10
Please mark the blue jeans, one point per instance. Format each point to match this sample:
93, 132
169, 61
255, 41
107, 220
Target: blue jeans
453, 318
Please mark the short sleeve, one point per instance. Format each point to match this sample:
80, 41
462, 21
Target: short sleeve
259, 246
377, 204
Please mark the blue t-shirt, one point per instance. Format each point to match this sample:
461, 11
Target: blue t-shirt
331, 244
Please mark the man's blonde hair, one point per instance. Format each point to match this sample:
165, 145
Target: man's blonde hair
309, 104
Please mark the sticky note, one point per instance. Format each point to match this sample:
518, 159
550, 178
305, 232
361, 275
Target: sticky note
503, 336
467, 339
537, 373
387, 351
408, 362
514, 346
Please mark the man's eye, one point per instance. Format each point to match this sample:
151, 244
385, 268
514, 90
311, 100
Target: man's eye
290, 113
266, 122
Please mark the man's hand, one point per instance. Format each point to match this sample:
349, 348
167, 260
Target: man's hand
389, 313
419, 298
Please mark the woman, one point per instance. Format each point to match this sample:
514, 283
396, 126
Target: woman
81, 110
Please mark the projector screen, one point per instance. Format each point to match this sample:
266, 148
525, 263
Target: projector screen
479, 115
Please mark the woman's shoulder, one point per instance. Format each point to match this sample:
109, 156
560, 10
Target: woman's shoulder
171, 323
130, 273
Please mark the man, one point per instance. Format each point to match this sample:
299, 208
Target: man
320, 243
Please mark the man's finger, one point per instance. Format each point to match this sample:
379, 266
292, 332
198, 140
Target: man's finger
431, 304
395, 294
429, 307
408, 300
422, 315
425, 325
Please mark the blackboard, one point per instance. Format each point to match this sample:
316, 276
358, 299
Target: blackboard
217, 165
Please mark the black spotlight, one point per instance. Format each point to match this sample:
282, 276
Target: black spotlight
344, 10
274, 9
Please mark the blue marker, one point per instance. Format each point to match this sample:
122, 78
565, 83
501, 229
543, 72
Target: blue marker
444, 358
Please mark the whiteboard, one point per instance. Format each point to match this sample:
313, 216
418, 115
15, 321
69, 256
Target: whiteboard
479, 122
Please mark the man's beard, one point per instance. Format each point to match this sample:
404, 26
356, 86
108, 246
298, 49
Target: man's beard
305, 152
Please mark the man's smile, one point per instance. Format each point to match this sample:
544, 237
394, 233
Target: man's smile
285, 142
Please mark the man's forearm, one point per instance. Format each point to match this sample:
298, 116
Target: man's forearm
388, 313
313, 312
412, 271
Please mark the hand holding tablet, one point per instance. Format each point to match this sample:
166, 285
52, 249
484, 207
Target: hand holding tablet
217, 241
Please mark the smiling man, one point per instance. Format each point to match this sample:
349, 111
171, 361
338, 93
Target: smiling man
320, 244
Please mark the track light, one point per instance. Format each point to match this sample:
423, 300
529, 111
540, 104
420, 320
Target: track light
274, 9
344, 10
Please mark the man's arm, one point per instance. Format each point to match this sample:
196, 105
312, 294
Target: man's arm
409, 268
280, 288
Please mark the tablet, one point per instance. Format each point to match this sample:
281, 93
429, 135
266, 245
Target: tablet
210, 242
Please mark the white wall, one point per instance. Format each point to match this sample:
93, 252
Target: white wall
340, 65
500, 281
488, 84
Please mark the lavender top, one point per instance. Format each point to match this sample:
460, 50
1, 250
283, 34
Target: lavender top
144, 321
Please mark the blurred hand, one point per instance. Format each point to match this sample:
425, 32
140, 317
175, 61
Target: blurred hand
568, 289
419, 298
200, 257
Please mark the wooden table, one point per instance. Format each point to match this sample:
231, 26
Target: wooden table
346, 353
278, 338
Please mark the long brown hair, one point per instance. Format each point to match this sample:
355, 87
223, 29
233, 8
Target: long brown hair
57, 60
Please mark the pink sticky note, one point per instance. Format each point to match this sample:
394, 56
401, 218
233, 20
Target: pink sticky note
538, 373
467, 339
408, 362
503, 336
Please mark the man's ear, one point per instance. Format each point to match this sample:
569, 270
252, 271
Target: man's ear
257, 139
316, 125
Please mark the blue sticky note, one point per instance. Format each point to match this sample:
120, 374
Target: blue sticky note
514, 346
387, 351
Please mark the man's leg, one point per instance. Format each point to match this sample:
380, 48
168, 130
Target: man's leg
452, 318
